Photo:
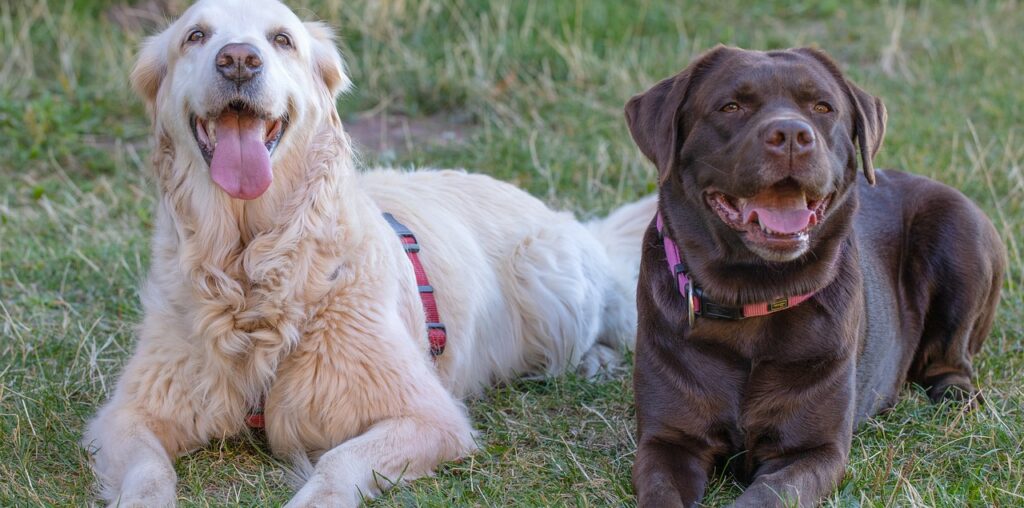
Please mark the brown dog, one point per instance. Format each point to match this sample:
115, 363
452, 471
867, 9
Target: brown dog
810, 298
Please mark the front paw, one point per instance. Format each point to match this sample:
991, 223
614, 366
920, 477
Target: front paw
147, 486
320, 493
763, 496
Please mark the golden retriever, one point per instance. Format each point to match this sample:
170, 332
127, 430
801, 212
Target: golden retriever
275, 279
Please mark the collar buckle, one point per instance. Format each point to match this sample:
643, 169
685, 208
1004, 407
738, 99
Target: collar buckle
690, 313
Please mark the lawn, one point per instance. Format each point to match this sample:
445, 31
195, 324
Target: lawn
530, 91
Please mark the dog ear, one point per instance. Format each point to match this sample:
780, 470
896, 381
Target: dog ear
869, 114
327, 59
654, 117
870, 117
150, 68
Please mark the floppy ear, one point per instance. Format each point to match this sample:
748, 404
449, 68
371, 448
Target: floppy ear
327, 60
869, 114
654, 117
870, 117
150, 68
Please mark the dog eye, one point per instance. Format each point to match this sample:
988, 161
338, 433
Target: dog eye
195, 36
732, 107
822, 107
283, 40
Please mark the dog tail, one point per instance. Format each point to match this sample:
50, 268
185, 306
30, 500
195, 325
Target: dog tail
621, 233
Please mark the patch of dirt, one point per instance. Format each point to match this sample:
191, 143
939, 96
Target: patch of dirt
390, 133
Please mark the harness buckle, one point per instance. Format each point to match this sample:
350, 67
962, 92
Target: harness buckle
689, 300
714, 310
436, 345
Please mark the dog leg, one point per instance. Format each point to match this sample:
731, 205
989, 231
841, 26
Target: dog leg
371, 404
954, 271
152, 417
558, 280
390, 452
621, 234
953, 333
131, 464
166, 403
617, 335
667, 475
798, 437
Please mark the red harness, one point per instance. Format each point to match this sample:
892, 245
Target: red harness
699, 305
437, 335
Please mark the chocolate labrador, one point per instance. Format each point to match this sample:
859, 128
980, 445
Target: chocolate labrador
782, 301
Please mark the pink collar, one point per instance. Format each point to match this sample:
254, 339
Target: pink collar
699, 305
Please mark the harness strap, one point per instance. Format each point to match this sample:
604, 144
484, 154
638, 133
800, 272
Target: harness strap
437, 335
436, 332
699, 305
254, 420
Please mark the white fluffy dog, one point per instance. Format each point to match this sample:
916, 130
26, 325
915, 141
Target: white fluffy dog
276, 280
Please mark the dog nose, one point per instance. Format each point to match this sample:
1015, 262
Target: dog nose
239, 62
789, 136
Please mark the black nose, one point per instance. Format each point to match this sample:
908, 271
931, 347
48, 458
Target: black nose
789, 136
239, 62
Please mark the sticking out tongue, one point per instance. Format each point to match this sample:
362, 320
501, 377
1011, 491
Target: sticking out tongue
241, 162
783, 212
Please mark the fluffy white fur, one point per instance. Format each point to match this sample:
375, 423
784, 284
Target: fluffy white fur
305, 296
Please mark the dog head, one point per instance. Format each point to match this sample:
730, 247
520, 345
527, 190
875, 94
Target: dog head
235, 84
762, 145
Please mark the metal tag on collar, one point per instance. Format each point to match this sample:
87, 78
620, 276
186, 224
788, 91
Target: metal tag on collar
689, 303
778, 304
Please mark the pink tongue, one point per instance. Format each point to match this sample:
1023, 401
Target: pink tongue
783, 213
241, 162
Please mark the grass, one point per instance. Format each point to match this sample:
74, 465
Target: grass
541, 84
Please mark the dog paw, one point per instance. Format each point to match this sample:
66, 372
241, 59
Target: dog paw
600, 362
763, 496
319, 493
147, 486
960, 393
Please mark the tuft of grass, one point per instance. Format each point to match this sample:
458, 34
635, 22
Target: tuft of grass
540, 85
